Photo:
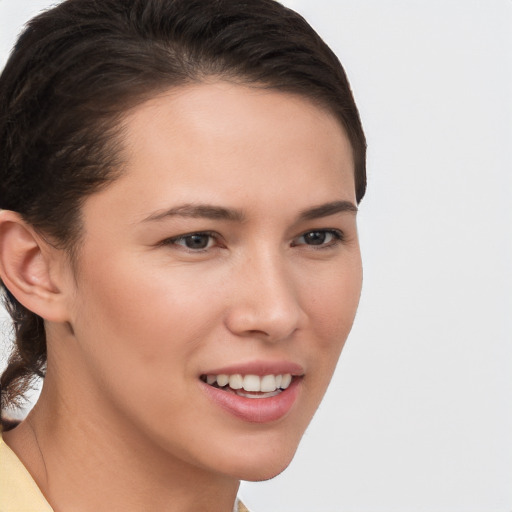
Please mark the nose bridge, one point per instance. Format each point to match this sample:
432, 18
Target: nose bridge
266, 302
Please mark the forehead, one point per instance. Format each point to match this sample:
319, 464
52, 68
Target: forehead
235, 145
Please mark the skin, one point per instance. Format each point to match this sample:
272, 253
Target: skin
139, 317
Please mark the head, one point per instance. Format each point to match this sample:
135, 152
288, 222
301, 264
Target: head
95, 101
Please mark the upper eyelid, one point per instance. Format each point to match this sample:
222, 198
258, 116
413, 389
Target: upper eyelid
213, 234
195, 233
336, 231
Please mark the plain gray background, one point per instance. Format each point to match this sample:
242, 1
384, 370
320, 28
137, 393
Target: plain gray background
419, 414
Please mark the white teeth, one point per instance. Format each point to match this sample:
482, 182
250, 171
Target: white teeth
222, 380
268, 384
251, 383
260, 395
287, 379
236, 381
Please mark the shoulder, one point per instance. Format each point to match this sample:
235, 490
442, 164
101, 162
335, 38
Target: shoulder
18, 490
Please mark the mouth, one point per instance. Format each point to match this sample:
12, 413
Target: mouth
251, 386
255, 396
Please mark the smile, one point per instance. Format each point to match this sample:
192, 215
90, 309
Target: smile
250, 386
263, 398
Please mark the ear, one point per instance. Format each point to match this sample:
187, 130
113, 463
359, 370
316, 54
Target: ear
31, 269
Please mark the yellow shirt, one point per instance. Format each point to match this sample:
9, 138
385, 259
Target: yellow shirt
19, 492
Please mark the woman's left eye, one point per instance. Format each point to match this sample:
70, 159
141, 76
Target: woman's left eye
319, 238
194, 241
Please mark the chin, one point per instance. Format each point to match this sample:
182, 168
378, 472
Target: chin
264, 474
258, 465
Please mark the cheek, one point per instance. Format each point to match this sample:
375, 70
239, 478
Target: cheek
145, 318
333, 303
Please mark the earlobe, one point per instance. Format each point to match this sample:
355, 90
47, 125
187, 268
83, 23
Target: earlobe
25, 268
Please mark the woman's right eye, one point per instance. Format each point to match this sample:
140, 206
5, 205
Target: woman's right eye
193, 241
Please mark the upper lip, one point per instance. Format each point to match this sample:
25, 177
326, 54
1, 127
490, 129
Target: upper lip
259, 368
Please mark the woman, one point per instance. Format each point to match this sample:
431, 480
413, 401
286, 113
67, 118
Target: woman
178, 247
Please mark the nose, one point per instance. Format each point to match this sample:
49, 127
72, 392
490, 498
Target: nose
264, 302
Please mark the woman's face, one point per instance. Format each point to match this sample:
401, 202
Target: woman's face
227, 251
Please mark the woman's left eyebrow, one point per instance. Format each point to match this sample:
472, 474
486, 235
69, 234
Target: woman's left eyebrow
324, 210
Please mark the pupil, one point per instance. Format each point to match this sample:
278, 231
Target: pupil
197, 241
315, 238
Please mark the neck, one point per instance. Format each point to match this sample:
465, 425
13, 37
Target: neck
70, 449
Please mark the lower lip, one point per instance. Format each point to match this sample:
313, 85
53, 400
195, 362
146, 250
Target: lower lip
255, 410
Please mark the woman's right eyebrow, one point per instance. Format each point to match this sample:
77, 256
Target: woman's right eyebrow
205, 211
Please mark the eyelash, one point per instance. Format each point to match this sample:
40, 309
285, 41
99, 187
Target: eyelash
175, 240
337, 238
